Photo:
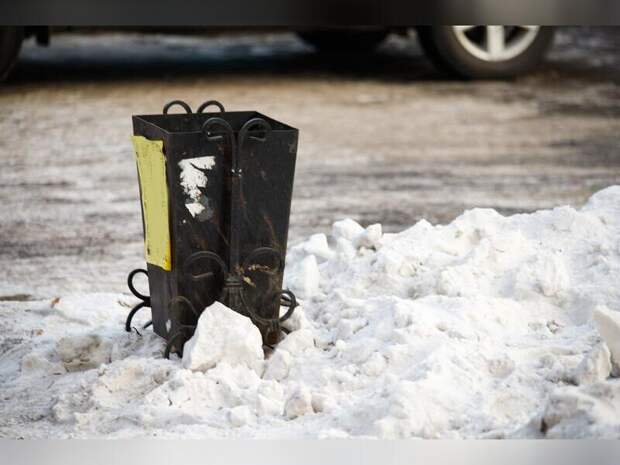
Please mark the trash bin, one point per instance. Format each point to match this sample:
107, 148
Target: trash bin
216, 191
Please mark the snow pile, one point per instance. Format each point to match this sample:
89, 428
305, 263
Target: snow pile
489, 326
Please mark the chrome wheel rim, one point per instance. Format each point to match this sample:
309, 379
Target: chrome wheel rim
495, 43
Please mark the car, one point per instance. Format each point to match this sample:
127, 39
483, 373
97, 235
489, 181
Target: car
469, 52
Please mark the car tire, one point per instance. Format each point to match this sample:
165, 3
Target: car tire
467, 51
10, 42
344, 40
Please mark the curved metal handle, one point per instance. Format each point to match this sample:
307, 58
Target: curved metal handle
132, 288
254, 316
251, 124
199, 256
180, 103
133, 312
250, 260
179, 301
209, 103
210, 126
287, 299
145, 299
172, 339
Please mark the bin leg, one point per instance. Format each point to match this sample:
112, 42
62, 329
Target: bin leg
145, 299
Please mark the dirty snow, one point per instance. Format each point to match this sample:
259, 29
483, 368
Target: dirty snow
491, 326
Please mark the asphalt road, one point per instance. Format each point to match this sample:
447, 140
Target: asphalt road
384, 138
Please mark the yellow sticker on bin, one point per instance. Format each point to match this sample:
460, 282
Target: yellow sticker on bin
154, 194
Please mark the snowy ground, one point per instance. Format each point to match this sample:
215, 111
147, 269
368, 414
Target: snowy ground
483, 327
383, 139
489, 327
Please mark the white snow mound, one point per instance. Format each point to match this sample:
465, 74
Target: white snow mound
487, 327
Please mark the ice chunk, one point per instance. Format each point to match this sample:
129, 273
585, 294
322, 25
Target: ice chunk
317, 245
595, 366
278, 364
241, 415
608, 324
347, 229
370, 237
358, 236
223, 335
298, 341
345, 248
304, 280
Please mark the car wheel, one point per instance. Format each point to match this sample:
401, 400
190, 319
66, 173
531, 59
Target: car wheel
344, 40
10, 43
486, 52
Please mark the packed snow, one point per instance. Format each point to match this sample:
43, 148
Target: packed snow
489, 327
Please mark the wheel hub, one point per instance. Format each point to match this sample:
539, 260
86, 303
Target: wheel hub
495, 43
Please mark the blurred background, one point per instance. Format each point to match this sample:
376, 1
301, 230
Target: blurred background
385, 135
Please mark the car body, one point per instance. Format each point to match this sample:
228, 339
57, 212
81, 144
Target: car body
470, 52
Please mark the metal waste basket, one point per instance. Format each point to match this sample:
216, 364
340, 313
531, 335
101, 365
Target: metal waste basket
216, 191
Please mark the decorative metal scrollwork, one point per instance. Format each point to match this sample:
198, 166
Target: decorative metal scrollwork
145, 300
234, 274
175, 311
188, 109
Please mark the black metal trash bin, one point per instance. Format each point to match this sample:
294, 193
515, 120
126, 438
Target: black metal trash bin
216, 193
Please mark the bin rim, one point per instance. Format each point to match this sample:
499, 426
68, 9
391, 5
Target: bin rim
276, 126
